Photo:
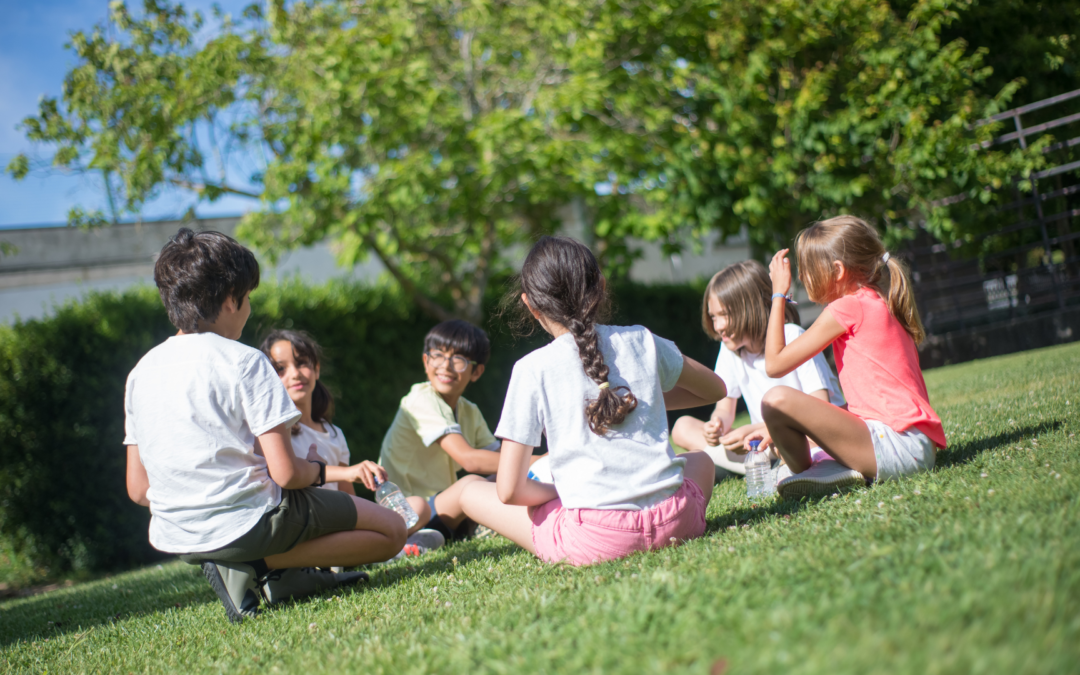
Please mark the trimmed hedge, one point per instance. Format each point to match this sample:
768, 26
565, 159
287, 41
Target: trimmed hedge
63, 501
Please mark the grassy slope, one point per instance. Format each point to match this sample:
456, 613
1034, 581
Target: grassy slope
972, 568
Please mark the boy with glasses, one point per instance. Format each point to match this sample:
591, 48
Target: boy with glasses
437, 432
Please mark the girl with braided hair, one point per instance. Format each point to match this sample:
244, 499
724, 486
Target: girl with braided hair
600, 394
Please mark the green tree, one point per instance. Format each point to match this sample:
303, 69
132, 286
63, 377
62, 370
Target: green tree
442, 135
770, 115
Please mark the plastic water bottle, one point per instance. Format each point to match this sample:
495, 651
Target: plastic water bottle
758, 485
389, 495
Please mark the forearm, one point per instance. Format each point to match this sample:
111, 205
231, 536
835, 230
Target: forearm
304, 474
530, 493
469, 458
137, 481
679, 398
775, 340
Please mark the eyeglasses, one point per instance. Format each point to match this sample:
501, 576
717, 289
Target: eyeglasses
458, 362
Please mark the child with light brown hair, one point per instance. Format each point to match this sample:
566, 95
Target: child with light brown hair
890, 429
735, 311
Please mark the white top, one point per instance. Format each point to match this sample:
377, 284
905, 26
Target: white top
632, 466
194, 405
330, 445
744, 375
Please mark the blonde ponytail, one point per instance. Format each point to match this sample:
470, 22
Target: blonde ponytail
902, 300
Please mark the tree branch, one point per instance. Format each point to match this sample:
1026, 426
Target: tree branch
200, 187
425, 303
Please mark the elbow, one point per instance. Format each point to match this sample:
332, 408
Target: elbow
137, 494
505, 492
773, 369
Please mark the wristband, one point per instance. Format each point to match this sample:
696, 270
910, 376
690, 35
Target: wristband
787, 298
322, 473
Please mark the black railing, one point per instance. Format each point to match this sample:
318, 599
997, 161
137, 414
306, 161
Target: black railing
1024, 270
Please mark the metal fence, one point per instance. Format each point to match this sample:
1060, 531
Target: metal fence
1025, 271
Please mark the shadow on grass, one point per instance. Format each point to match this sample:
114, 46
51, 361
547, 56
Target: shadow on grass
954, 455
82, 609
957, 454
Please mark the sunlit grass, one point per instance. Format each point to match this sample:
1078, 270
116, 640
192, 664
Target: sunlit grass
974, 567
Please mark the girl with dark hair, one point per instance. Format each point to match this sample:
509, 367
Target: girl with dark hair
296, 357
599, 393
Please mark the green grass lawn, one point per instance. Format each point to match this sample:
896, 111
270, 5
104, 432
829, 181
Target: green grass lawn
972, 568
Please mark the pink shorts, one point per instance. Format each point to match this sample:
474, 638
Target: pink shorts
584, 536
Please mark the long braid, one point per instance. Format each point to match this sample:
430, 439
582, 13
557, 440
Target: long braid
563, 282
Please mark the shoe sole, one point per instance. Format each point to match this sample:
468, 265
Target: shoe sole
212, 575
797, 488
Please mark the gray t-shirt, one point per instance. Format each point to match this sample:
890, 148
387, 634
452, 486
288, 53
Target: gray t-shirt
632, 466
194, 405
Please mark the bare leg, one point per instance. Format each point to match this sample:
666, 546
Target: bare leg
700, 469
792, 416
448, 502
481, 503
687, 433
423, 511
379, 535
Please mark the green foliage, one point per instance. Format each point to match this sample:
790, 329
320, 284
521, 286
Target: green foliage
441, 136
63, 501
770, 115
973, 567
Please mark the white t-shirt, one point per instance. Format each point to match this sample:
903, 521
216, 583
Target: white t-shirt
632, 467
744, 375
330, 445
194, 405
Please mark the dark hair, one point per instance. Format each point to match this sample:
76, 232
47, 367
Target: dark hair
305, 350
460, 337
744, 291
563, 282
196, 272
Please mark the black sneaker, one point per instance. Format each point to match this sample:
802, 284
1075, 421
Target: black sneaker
236, 585
296, 583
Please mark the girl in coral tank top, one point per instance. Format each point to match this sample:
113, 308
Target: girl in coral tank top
889, 429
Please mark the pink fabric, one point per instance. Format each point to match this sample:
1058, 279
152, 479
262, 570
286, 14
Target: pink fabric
585, 536
878, 366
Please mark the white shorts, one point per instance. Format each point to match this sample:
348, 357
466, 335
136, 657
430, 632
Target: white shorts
900, 453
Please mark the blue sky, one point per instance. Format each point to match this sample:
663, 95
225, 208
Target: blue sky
33, 63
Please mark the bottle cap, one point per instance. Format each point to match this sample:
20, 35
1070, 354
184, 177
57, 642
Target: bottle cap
754, 446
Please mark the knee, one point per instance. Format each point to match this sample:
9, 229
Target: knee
469, 496
420, 505
682, 426
397, 533
776, 400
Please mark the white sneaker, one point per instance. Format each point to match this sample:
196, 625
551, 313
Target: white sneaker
822, 478
429, 539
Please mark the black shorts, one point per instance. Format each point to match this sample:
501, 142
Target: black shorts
302, 515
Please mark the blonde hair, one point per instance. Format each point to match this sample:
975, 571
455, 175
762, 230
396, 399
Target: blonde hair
857, 245
744, 291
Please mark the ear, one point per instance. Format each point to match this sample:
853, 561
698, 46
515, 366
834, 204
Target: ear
230, 306
525, 299
425, 357
316, 371
839, 272
477, 371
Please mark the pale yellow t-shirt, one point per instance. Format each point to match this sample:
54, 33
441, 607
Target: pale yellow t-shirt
411, 454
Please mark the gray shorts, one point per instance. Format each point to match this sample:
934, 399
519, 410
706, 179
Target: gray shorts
900, 453
302, 515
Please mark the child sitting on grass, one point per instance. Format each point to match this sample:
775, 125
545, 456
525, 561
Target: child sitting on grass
438, 432
599, 393
209, 449
296, 358
735, 311
890, 429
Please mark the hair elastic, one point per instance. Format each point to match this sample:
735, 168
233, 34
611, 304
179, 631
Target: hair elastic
885, 258
605, 385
